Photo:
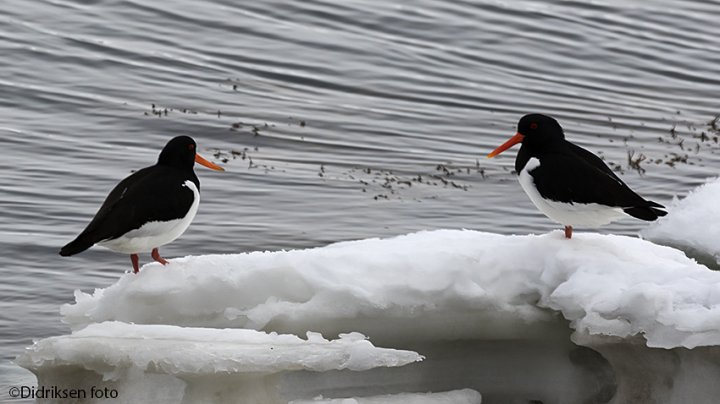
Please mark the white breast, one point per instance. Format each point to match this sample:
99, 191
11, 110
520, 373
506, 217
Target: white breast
567, 214
155, 234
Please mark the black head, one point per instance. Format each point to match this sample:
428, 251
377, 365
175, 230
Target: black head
536, 132
179, 152
539, 131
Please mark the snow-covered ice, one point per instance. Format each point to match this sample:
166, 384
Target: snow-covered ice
432, 284
693, 224
464, 396
113, 347
194, 365
519, 319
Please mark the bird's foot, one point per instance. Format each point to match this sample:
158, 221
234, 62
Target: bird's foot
135, 262
156, 256
568, 231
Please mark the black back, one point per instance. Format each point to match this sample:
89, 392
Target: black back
155, 193
568, 173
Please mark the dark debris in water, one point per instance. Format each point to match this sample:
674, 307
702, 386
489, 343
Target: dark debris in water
244, 154
689, 138
634, 161
387, 184
160, 111
253, 128
256, 128
381, 184
295, 121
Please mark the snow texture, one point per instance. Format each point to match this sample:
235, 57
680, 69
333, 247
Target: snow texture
486, 309
464, 396
692, 224
112, 347
432, 284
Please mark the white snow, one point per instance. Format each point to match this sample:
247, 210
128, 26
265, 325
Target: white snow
171, 364
529, 318
464, 396
112, 347
433, 284
692, 223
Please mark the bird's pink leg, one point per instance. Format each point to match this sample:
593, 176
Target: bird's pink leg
135, 262
568, 231
156, 256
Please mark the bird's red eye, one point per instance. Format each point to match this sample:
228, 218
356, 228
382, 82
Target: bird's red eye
191, 147
533, 125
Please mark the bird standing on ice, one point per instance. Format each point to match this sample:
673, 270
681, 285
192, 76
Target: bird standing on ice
150, 208
569, 184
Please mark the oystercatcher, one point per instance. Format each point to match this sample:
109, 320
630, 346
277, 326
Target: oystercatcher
150, 208
569, 184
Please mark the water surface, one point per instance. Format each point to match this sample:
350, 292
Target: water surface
338, 121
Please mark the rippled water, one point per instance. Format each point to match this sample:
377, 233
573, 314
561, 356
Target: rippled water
338, 120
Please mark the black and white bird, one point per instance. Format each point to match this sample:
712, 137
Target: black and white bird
569, 184
150, 208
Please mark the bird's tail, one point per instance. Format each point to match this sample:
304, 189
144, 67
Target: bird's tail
80, 244
649, 211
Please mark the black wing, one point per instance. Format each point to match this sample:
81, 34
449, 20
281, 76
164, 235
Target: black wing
154, 193
574, 174
592, 159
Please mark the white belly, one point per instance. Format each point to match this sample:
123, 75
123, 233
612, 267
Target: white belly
567, 214
154, 234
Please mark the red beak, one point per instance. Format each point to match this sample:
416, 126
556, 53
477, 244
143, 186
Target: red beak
202, 161
517, 138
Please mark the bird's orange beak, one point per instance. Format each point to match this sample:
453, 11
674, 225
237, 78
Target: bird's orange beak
517, 138
200, 160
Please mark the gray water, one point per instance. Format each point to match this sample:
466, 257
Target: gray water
338, 120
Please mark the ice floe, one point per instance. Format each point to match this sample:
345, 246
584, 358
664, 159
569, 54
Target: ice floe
431, 284
693, 224
464, 396
518, 319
